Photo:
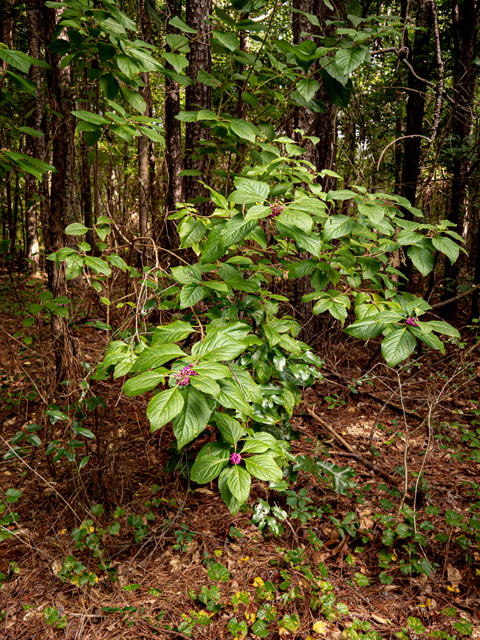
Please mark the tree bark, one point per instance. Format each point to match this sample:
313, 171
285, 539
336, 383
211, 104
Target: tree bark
198, 96
419, 59
61, 194
465, 19
35, 192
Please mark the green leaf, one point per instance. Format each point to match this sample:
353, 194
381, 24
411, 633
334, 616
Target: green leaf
446, 246
127, 65
178, 61
20, 60
239, 483
308, 88
206, 468
219, 346
164, 407
191, 232
213, 370
249, 191
144, 382
422, 258
375, 213
193, 418
231, 397
173, 332
109, 85
397, 346
228, 40
154, 357
337, 227
84, 432
444, 328
235, 230
257, 212
230, 428
97, 265
264, 467
135, 99
180, 24
206, 384
365, 329
227, 496
76, 229
340, 476
94, 118
31, 132
349, 59
191, 294
116, 261
337, 93
219, 573
208, 79
407, 236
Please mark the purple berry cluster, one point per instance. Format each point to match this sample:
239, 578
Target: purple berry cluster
412, 322
183, 376
276, 209
235, 458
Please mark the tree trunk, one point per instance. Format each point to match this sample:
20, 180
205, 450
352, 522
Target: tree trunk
198, 96
419, 59
476, 280
35, 147
465, 18
62, 127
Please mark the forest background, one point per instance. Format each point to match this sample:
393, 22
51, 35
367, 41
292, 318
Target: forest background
223, 187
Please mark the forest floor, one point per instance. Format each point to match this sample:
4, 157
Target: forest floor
208, 574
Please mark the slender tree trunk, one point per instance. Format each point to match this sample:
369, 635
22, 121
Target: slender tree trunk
35, 147
476, 280
198, 96
62, 126
465, 19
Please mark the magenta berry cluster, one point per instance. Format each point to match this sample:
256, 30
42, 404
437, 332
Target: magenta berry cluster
412, 322
235, 458
183, 376
276, 210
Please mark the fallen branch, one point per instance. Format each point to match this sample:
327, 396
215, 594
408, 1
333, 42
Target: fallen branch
353, 454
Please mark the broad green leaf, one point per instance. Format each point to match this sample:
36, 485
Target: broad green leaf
193, 417
240, 284
256, 212
191, 232
164, 407
446, 246
374, 212
206, 78
227, 496
31, 132
422, 258
206, 384
264, 467
97, 265
349, 59
178, 61
206, 469
135, 99
235, 230
230, 428
239, 482
249, 191
109, 85
76, 229
218, 572
443, 327
337, 227
254, 446
173, 332
219, 346
20, 60
214, 370
397, 346
231, 397
144, 382
180, 24
191, 294
154, 357
429, 339
94, 118
127, 65
407, 236
228, 40
308, 88
249, 388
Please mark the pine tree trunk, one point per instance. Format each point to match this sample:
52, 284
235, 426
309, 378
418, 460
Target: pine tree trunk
198, 96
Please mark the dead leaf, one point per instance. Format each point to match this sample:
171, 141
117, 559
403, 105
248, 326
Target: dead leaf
207, 492
57, 567
379, 619
454, 575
